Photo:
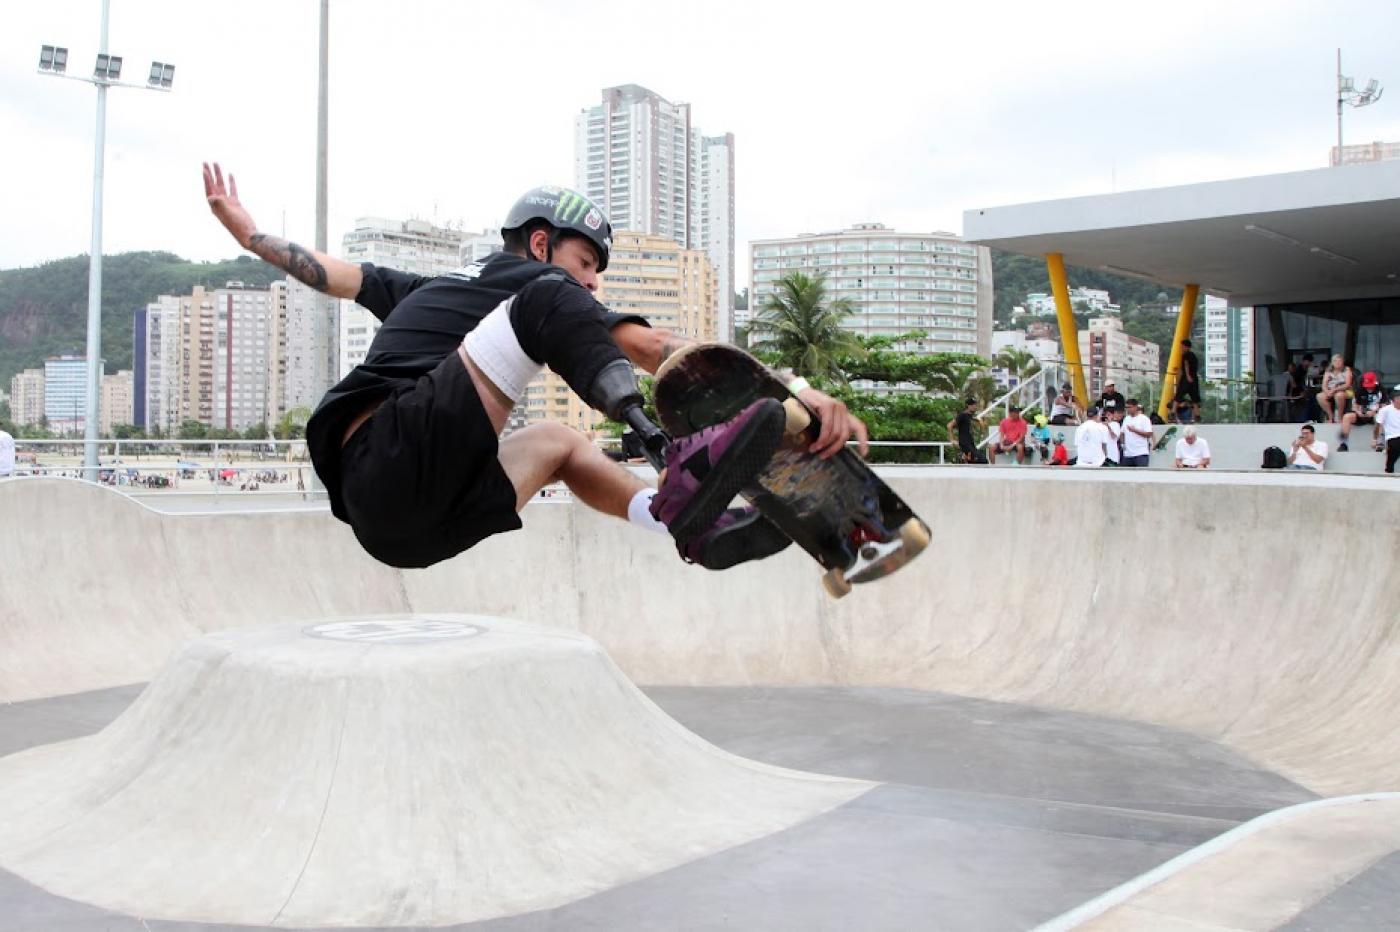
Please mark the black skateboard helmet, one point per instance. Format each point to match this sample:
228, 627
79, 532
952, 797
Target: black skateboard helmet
564, 209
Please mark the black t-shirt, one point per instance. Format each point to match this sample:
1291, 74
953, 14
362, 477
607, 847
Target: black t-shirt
1111, 401
425, 320
1190, 366
964, 427
1366, 399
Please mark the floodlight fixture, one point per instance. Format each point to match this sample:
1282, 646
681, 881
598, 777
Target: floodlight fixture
53, 58
106, 73
162, 76
1349, 95
108, 67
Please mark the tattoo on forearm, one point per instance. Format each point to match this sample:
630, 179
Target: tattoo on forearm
291, 258
672, 343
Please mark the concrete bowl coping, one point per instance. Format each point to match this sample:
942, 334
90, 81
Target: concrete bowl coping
1256, 876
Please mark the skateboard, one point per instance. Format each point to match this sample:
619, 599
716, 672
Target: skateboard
837, 509
1162, 441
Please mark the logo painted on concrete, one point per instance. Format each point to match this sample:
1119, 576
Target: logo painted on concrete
404, 631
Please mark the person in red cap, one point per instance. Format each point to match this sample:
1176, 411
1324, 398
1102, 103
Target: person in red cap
1368, 401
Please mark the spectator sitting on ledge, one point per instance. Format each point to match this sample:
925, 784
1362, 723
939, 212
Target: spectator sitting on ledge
1192, 452
1065, 408
1308, 452
1011, 437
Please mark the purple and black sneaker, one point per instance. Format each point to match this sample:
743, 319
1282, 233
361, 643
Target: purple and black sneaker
706, 469
740, 535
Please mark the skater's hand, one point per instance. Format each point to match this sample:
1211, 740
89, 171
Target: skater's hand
838, 424
223, 201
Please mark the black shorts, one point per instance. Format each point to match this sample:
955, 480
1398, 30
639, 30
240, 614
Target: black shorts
1363, 419
420, 479
1189, 392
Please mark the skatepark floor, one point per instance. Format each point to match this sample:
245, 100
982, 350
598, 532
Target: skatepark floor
993, 816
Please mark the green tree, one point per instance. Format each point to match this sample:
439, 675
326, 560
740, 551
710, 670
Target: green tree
191, 429
256, 432
127, 432
1019, 364
293, 424
801, 328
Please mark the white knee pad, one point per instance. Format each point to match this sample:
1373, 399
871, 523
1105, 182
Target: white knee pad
495, 349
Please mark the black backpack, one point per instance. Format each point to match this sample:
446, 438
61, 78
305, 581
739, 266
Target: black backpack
1274, 458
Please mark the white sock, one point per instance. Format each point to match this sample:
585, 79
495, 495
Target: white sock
639, 512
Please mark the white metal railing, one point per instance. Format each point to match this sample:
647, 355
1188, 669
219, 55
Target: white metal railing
179, 467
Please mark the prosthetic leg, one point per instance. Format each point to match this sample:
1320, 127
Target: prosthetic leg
616, 393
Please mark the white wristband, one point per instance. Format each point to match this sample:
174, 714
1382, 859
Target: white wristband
798, 384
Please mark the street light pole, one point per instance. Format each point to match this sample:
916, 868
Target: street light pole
1348, 94
1339, 106
53, 61
94, 314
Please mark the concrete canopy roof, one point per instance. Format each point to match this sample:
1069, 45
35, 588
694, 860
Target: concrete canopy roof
1325, 234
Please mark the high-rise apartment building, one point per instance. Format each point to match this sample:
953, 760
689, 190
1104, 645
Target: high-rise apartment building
1229, 339
650, 275
895, 282
117, 401
308, 358
65, 393
27, 396
640, 157
477, 246
415, 246
211, 357
1111, 355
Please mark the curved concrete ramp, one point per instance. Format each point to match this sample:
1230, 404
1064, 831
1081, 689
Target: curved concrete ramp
383, 772
1195, 601
1263, 875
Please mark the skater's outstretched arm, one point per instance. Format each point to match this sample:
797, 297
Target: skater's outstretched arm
325, 273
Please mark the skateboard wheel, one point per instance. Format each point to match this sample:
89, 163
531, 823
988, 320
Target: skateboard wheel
835, 583
913, 534
798, 417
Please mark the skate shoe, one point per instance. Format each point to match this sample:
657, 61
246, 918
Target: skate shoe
740, 535
706, 469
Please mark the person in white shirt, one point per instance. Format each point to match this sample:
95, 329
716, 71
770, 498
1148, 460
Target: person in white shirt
1137, 436
1388, 420
1091, 440
7, 454
1308, 452
1192, 452
1114, 450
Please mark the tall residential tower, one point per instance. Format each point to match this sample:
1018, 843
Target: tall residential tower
640, 157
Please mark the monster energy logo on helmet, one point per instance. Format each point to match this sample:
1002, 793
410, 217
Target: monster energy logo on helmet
572, 207
566, 210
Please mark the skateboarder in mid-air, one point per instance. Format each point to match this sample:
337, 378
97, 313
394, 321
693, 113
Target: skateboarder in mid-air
408, 444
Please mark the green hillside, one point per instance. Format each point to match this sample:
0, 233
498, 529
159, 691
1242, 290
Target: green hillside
1013, 277
43, 310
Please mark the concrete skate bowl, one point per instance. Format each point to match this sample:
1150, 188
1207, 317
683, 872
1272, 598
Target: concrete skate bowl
1192, 602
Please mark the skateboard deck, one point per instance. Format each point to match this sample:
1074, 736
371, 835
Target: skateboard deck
837, 509
1161, 443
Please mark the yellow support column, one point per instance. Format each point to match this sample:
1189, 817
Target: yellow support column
1069, 331
1183, 332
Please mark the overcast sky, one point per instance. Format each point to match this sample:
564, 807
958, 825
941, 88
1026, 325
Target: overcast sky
904, 113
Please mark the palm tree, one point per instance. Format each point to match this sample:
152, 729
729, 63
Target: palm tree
1019, 364
802, 329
